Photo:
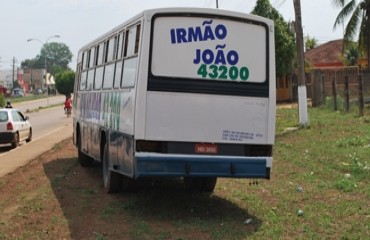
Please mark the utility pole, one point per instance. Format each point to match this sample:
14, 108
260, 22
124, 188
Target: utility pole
302, 90
13, 72
216, 3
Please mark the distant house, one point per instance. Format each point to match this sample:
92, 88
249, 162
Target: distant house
34, 78
2, 89
327, 55
330, 55
326, 62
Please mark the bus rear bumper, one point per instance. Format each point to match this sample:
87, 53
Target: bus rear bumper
176, 165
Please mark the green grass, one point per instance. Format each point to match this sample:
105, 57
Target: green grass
329, 159
25, 98
322, 170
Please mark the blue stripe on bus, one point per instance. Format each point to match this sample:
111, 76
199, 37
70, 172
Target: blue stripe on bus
177, 166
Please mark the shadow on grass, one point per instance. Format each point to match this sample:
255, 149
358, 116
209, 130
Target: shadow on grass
160, 209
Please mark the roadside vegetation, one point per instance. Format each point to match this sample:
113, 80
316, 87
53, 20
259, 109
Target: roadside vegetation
320, 189
28, 97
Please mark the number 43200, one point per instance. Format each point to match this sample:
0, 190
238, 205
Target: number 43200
223, 72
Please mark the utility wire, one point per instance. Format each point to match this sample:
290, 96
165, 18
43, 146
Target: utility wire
278, 3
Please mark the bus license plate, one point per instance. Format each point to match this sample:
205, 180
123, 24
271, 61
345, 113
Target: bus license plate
206, 148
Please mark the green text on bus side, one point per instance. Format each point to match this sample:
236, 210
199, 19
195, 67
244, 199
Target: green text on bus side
223, 72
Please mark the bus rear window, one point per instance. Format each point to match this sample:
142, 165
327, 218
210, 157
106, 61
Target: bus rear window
209, 49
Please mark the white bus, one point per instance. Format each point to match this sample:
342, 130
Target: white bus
178, 92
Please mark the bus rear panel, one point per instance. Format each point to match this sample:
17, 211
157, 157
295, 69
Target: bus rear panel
178, 92
209, 105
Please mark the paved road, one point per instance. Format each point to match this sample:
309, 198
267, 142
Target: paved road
35, 104
50, 127
43, 121
10, 161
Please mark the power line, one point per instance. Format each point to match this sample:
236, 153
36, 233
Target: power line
278, 3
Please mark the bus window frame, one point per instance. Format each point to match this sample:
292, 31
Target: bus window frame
102, 68
83, 74
198, 85
119, 61
113, 75
134, 39
92, 56
100, 55
120, 44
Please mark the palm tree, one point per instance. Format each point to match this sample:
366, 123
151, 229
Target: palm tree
310, 43
351, 56
358, 13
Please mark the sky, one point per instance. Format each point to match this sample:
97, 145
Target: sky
78, 22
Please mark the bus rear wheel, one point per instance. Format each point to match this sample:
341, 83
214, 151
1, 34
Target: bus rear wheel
83, 159
112, 180
203, 184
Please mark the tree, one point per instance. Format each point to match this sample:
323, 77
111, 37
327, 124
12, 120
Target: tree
64, 82
16, 84
284, 38
2, 100
351, 56
310, 43
358, 25
58, 56
32, 63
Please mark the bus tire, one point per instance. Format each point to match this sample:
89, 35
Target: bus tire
200, 184
83, 159
127, 184
209, 184
112, 180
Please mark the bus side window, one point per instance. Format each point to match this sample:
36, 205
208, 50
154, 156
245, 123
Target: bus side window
118, 74
98, 77
129, 72
125, 46
100, 57
120, 45
83, 80
131, 39
97, 52
109, 49
137, 39
90, 79
108, 76
84, 60
88, 58
92, 57
79, 57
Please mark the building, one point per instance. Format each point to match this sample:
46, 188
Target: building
327, 55
6, 78
33, 79
326, 66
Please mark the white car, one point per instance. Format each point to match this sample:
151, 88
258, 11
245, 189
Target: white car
14, 127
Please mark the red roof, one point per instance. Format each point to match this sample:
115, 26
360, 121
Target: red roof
326, 55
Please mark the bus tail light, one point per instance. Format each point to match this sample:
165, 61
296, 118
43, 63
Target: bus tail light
149, 146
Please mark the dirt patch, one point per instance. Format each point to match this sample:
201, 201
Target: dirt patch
53, 197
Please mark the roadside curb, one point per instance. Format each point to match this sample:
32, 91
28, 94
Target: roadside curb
23, 155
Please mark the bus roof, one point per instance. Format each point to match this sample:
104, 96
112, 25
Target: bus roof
150, 12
